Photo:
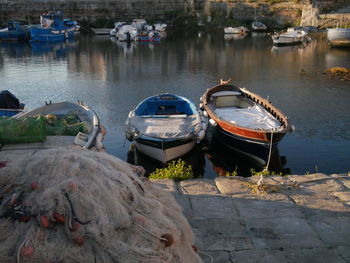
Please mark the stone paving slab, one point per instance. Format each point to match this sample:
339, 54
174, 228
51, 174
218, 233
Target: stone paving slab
220, 234
305, 219
334, 231
282, 233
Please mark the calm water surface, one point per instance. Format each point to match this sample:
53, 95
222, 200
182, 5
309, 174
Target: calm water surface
112, 78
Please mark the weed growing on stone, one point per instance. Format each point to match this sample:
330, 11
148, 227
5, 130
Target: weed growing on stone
265, 172
176, 170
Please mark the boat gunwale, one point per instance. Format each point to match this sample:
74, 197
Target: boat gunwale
264, 135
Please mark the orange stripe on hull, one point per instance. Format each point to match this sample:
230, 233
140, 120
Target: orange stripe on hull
241, 131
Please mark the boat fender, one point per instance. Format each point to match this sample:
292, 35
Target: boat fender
201, 135
99, 141
213, 123
205, 113
201, 106
127, 121
292, 129
201, 99
204, 126
130, 113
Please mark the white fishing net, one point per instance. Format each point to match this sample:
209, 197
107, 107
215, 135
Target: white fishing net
81, 206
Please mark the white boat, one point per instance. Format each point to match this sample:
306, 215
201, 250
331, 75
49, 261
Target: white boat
127, 33
236, 30
62, 124
139, 24
165, 127
338, 37
258, 26
117, 25
290, 37
158, 27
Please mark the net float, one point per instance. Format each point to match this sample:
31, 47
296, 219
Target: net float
27, 251
59, 218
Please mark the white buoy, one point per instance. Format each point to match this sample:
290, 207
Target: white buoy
205, 113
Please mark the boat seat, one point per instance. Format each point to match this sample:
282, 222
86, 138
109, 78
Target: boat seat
232, 101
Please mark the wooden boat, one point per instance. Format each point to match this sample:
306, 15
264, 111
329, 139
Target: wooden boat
53, 28
9, 104
338, 37
62, 124
15, 31
244, 121
235, 30
165, 126
258, 26
290, 37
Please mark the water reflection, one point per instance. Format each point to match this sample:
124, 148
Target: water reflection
195, 158
224, 160
55, 49
235, 36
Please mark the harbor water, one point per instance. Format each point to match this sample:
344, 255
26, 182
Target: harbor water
113, 77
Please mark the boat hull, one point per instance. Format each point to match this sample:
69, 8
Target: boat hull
164, 151
251, 149
51, 35
339, 37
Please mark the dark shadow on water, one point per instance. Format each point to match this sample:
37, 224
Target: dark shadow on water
225, 160
195, 158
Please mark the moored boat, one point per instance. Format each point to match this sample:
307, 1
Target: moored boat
165, 126
290, 37
258, 26
338, 37
244, 121
53, 28
127, 33
152, 36
62, 124
9, 104
15, 31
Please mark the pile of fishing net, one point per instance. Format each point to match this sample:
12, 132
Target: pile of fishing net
82, 206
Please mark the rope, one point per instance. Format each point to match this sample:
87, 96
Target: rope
150, 232
270, 151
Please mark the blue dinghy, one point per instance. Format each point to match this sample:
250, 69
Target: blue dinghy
53, 28
165, 126
9, 104
14, 31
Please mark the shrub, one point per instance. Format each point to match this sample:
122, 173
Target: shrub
176, 170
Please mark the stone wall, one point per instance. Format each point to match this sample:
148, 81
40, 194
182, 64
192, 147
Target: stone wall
273, 12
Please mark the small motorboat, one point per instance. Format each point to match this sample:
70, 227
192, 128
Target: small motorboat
290, 37
244, 121
127, 33
139, 24
117, 25
165, 126
258, 26
9, 104
236, 30
63, 124
53, 28
338, 37
15, 31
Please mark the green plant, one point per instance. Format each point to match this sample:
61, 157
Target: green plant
264, 172
176, 170
233, 173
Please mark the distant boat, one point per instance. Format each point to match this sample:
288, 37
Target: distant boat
151, 36
258, 26
9, 104
290, 37
235, 30
127, 33
338, 37
165, 126
244, 121
117, 26
139, 24
15, 31
52, 28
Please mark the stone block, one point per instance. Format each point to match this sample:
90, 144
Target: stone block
334, 231
167, 184
319, 255
220, 234
320, 204
266, 209
344, 252
231, 186
214, 207
343, 196
282, 233
199, 187
258, 255
215, 256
